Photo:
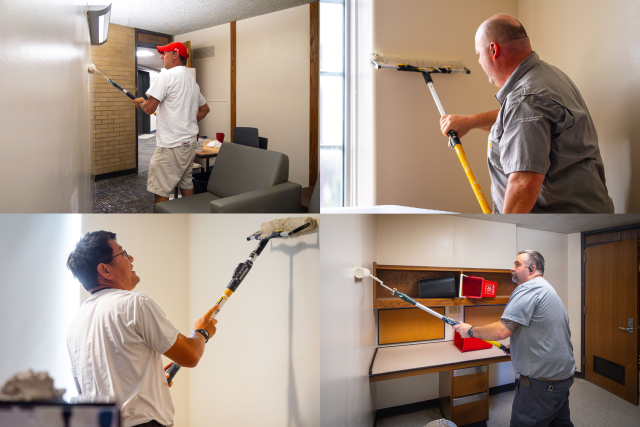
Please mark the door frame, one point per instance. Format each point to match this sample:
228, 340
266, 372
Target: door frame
143, 44
583, 246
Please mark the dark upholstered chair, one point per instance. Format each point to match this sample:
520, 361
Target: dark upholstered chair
246, 136
263, 142
243, 180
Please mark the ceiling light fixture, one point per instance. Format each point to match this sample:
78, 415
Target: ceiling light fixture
99, 18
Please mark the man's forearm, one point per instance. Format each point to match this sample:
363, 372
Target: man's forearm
492, 332
484, 121
523, 189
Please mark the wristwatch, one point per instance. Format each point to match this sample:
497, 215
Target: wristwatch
470, 332
204, 333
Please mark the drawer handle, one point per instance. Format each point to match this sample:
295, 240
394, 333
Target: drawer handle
469, 371
469, 399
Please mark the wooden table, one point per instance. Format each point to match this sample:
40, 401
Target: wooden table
457, 375
207, 152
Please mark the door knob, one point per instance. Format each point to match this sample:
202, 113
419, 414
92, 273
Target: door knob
630, 330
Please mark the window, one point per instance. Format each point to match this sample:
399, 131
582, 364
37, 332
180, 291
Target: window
332, 101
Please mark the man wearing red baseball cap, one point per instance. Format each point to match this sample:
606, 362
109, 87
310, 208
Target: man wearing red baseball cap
180, 105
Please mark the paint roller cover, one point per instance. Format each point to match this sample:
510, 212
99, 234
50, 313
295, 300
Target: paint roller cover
416, 61
286, 224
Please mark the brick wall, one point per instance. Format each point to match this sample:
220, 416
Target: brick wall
113, 139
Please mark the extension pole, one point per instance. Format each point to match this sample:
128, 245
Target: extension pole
445, 319
454, 142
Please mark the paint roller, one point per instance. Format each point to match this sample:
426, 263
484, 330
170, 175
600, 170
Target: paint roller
428, 66
93, 70
362, 273
279, 228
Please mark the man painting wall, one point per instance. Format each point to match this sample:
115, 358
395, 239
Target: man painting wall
543, 152
541, 349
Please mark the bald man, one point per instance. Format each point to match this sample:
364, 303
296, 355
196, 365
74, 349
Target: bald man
543, 152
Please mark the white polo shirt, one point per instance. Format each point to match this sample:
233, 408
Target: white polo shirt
115, 343
180, 98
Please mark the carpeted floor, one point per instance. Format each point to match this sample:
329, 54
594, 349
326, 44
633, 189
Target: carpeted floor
128, 194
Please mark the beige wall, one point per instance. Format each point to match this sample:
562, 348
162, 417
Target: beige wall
113, 126
273, 60
348, 324
263, 365
414, 166
44, 111
159, 246
214, 77
594, 43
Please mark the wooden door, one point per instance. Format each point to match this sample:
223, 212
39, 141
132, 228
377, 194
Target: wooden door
144, 121
611, 299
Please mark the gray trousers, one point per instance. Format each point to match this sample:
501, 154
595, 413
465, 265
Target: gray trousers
538, 406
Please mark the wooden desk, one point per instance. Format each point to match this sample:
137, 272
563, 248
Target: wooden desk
207, 152
464, 393
419, 359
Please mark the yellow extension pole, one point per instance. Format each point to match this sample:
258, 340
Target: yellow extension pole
472, 179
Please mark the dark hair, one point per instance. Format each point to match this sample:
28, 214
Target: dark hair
533, 258
92, 249
183, 59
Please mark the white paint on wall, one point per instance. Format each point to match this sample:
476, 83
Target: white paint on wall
414, 166
44, 113
574, 282
348, 324
402, 391
273, 66
214, 77
483, 244
159, 245
263, 365
598, 33
39, 294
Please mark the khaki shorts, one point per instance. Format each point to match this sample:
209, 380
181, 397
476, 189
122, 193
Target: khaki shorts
171, 168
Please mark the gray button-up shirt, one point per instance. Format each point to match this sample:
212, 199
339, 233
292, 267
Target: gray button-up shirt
544, 126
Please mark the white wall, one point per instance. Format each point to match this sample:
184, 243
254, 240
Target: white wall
39, 295
273, 66
44, 113
348, 324
159, 245
263, 365
413, 164
214, 77
577, 36
574, 282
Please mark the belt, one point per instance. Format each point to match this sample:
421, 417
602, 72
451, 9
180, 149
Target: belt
526, 382
152, 423
557, 381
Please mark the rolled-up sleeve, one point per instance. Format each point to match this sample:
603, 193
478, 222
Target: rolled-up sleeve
526, 140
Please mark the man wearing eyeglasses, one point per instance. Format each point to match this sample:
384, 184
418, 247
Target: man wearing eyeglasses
118, 335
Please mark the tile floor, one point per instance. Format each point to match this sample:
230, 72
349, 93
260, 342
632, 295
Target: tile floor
591, 406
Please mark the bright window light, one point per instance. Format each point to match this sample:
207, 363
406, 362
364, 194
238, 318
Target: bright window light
143, 53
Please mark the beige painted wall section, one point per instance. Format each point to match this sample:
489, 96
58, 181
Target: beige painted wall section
214, 77
44, 112
159, 246
414, 165
581, 37
113, 116
273, 66
263, 365
574, 282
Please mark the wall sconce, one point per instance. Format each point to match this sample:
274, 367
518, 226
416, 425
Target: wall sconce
99, 17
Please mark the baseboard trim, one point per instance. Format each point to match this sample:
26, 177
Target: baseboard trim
394, 411
579, 374
115, 174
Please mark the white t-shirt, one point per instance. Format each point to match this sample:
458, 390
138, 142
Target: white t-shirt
115, 343
180, 98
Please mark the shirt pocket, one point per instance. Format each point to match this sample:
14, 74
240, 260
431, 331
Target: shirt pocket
493, 146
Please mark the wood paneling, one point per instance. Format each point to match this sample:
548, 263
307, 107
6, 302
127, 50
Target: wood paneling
483, 315
409, 325
470, 384
232, 95
314, 93
611, 298
395, 302
188, 46
612, 237
470, 412
433, 369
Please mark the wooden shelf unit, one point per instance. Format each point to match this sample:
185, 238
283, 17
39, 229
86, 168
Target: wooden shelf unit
405, 279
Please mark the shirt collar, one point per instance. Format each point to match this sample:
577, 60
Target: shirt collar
517, 74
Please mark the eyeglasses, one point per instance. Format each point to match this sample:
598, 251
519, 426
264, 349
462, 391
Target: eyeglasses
124, 252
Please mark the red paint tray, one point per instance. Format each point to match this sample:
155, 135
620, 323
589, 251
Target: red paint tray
469, 344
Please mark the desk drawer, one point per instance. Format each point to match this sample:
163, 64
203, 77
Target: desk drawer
470, 381
470, 409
